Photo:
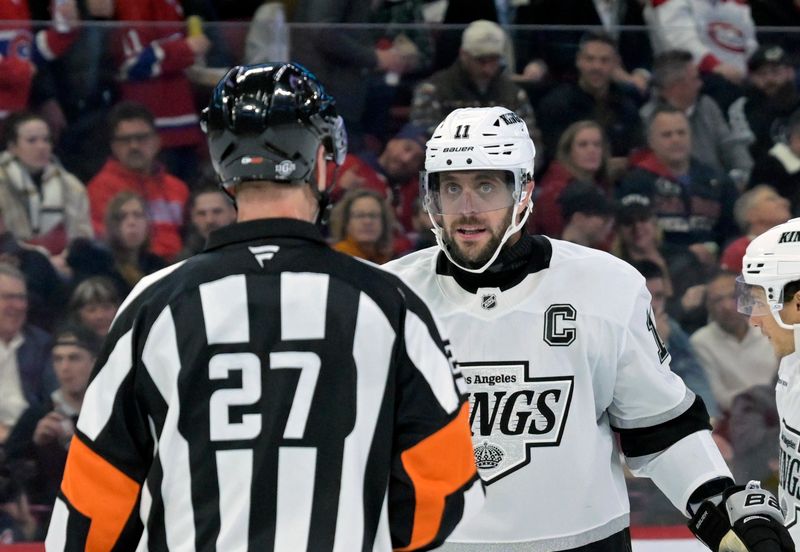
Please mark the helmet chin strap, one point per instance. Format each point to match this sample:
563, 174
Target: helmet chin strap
796, 331
510, 231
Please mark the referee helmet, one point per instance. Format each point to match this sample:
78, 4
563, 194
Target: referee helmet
267, 121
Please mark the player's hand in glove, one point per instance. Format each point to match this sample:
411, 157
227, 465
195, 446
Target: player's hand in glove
748, 519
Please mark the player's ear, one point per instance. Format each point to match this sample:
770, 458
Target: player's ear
321, 169
527, 191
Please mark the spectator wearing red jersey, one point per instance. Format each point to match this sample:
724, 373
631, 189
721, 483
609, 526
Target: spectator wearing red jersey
21, 49
152, 63
133, 167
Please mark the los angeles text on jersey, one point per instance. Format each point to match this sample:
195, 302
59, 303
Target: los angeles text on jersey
511, 413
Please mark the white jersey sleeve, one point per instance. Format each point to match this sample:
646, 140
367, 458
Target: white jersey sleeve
669, 447
672, 25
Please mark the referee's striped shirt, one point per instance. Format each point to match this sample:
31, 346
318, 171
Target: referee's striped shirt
269, 394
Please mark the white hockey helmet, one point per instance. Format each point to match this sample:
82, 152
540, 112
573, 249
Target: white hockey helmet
475, 138
771, 261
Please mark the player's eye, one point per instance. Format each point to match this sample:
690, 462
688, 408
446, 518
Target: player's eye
487, 188
452, 189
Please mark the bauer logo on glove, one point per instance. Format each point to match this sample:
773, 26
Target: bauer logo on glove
746, 519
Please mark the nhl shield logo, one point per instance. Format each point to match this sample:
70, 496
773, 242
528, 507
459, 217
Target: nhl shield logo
512, 413
489, 301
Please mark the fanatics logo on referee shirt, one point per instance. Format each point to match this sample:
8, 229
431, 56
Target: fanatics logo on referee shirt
264, 253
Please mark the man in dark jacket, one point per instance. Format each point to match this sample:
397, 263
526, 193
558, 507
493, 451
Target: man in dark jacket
596, 97
26, 373
477, 79
693, 203
771, 96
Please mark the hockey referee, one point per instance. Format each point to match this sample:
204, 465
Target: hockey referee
269, 393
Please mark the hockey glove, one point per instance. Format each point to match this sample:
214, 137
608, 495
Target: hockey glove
748, 519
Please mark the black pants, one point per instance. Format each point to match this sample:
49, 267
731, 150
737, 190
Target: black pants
618, 542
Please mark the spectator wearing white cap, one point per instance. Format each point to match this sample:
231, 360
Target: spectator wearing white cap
478, 78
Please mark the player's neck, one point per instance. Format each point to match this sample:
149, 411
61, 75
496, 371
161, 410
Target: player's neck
512, 265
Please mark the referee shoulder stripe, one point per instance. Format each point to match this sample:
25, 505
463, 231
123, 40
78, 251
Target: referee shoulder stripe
98, 402
431, 361
146, 283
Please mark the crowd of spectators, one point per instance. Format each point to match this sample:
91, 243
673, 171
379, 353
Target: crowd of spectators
671, 148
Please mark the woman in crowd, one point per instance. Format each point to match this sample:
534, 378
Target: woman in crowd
41, 202
361, 225
582, 156
128, 235
93, 304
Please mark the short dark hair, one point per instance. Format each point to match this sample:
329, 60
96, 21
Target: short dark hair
597, 36
584, 197
127, 111
663, 108
718, 273
667, 65
203, 190
648, 269
79, 336
790, 289
16, 120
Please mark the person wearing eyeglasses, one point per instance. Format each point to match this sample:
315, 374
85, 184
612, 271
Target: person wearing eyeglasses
361, 226
134, 167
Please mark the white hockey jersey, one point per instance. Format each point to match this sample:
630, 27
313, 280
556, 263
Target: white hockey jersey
787, 396
551, 364
714, 31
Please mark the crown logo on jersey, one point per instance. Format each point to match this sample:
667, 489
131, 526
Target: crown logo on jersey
488, 456
489, 301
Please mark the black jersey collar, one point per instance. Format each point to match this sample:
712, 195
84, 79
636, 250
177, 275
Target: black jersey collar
529, 255
264, 228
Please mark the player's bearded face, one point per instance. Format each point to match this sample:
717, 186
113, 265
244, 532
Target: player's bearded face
473, 238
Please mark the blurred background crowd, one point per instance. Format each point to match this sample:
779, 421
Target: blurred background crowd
667, 133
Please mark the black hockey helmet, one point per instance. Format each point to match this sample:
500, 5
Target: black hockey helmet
266, 122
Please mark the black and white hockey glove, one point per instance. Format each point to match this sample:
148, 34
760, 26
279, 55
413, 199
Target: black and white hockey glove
748, 519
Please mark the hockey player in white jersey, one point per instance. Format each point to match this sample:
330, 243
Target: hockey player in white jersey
769, 293
558, 348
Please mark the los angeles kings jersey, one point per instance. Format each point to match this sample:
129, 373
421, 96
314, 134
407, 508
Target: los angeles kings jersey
552, 365
787, 396
269, 394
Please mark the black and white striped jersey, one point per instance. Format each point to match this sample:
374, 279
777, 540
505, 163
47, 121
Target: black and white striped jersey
269, 394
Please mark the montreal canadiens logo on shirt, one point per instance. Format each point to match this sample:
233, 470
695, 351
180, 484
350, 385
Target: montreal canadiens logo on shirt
512, 413
727, 36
